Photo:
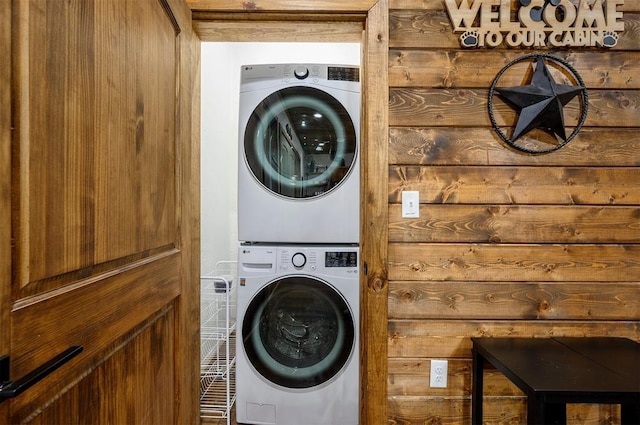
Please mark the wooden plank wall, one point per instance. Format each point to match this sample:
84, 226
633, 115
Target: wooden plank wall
507, 243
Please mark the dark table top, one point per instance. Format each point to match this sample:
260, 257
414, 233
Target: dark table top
566, 365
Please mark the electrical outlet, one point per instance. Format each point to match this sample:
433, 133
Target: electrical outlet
438, 378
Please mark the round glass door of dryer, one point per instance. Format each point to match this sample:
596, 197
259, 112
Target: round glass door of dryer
298, 332
300, 142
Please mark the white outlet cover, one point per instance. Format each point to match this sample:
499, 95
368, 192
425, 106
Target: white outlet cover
439, 371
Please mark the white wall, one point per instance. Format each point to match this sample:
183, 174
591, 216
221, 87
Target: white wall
219, 129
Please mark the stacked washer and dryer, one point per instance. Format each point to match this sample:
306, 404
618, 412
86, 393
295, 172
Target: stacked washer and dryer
298, 263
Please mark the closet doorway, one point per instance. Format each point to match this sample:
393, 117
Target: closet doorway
220, 83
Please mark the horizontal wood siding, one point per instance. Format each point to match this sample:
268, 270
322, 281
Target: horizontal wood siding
605, 69
507, 243
468, 108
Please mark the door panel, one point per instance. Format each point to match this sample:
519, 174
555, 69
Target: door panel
94, 315
125, 381
100, 112
103, 207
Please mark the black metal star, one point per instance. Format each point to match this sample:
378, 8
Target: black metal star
540, 103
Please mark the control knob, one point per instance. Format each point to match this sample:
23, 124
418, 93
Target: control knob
299, 260
301, 72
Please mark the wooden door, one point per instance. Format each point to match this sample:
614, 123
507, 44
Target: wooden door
99, 183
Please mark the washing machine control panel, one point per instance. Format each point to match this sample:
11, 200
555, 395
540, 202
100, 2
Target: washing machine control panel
331, 261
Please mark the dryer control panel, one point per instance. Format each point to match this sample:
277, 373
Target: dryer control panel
309, 73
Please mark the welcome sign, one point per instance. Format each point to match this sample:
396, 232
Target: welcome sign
537, 23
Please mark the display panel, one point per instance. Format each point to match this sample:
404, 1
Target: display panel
340, 73
341, 259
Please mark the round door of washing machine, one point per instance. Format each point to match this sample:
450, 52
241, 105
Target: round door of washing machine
298, 174
298, 332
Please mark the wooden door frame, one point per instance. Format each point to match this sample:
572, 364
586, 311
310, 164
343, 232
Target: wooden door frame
364, 21
5, 188
188, 135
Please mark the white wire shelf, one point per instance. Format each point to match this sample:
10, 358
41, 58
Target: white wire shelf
217, 342
218, 387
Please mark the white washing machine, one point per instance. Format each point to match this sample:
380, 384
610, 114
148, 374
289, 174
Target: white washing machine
298, 171
298, 331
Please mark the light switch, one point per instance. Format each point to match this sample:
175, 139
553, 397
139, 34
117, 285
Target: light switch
410, 204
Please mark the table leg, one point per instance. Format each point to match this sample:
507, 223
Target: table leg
535, 410
476, 388
539, 412
630, 413
555, 413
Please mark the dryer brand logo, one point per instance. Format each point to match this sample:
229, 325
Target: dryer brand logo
537, 23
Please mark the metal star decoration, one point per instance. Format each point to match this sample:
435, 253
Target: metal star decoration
540, 103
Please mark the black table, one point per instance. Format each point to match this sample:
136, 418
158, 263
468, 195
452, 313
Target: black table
555, 371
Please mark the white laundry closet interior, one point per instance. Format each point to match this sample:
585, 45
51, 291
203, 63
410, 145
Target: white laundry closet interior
220, 81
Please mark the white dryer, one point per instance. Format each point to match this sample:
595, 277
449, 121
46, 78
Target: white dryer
297, 344
298, 171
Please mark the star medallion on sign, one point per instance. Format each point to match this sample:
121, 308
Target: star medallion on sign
540, 104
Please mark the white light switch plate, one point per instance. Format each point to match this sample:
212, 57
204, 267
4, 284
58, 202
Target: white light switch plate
410, 204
